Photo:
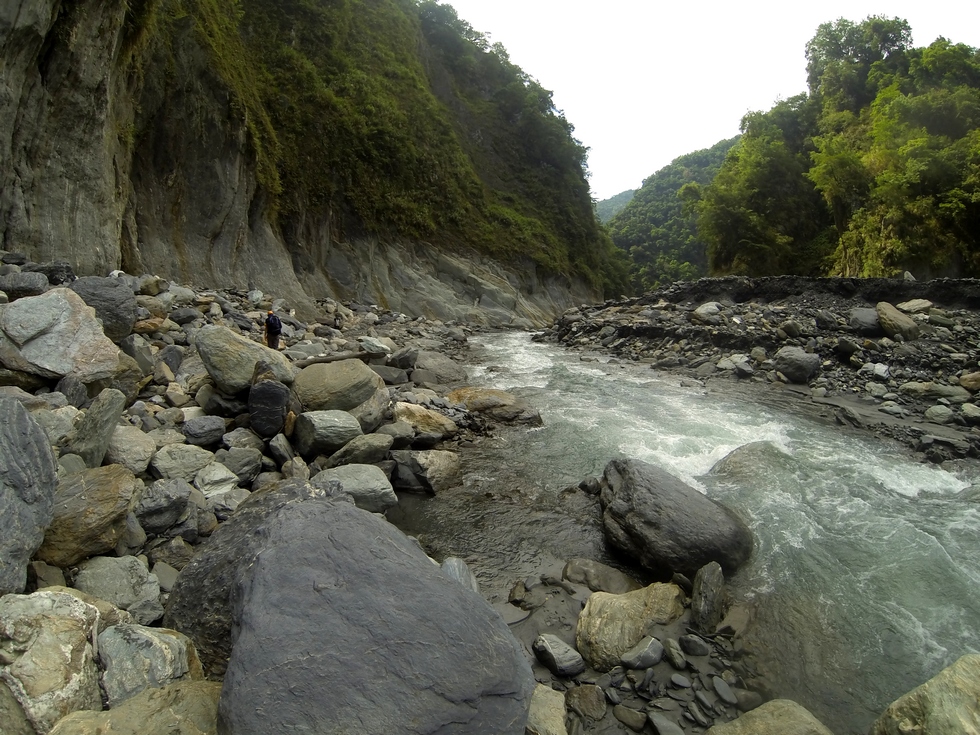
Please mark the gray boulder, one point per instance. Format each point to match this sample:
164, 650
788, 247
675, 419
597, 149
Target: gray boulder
865, 322
796, 364
163, 504
894, 323
366, 484
667, 525
54, 335
23, 284
114, 303
437, 368
230, 359
180, 461
598, 577
451, 664
268, 404
457, 570
204, 431
130, 447
28, 481
777, 717
347, 385
323, 432
708, 598
200, 603
91, 438
135, 658
560, 658
125, 582
366, 449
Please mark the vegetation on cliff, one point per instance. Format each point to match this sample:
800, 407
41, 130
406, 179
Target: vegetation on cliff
606, 209
396, 118
873, 171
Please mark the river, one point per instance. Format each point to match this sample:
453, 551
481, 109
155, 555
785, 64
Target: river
865, 571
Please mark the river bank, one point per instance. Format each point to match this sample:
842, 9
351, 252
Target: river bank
173, 470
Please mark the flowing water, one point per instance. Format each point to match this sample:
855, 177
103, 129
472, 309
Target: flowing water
865, 575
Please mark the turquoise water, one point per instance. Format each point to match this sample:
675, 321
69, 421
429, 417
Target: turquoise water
866, 569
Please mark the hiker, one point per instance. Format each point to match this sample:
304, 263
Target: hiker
273, 328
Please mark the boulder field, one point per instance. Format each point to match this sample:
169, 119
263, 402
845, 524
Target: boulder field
195, 540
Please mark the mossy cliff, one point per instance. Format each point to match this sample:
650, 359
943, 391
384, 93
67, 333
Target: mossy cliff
370, 149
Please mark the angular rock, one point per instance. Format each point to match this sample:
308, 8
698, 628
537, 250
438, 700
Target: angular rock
497, 405
693, 645
437, 368
457, 570
244, 462
162, 505
323, 432
429, 471
666, 524
547, 713
230, 359
366, 449
611, 625
894, 323
864, 321
424, 630
180, 461
946, 704
401, 433
49, 665
935, 391
91, 438
23, 284
123, 581
648, 652
54, 335
204, 431
587, 701
424, 420
135, 658
560, 658
366, 484
708, 598
90, 513
777, 717
114, 303
663, 726
796, 364
130, 447
182, 708
28, 483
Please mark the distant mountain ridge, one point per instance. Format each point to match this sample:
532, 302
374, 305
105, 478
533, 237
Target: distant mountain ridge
607, 208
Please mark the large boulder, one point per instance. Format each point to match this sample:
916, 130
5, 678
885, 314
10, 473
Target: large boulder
429, 470
28, 481
130, 447
667, 525
268, 405
48, 662
777, 717
347, 385
54, 335
125, 582
934, 391
181, 708
114, 303
92, 435
372, 602
947, 704
230, 359
199, 604
435, 367
610, 625
90, 516
424, 420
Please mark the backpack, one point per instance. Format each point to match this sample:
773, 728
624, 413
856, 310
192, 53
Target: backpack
273, 324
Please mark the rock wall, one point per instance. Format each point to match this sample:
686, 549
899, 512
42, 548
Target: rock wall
121, 150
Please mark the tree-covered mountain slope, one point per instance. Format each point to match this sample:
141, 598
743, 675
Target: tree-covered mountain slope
657, 231
606, 209
286, 142
875, 170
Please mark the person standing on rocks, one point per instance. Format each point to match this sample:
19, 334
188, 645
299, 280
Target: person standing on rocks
273, 328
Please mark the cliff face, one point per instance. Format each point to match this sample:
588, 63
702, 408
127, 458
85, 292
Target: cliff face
123, 144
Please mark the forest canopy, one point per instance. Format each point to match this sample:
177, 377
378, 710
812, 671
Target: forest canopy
874, 170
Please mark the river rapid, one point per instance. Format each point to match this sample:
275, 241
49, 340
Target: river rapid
864, 577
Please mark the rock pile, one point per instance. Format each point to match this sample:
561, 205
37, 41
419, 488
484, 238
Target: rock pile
160, 464
895, 357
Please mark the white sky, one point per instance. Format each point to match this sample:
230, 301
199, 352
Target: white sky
646, 81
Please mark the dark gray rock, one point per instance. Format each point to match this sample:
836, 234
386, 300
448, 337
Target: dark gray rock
694, 645
324, 432
139, 349
648, 652
390, 375
268, 404
73, 390
114, 303
559, 657
598, 577
372, 602
664, 726
20, 285
58, 272
163, 504
864, 321
796, 364
204, 431
723, 690
199, 604
28, 478
667, 525
245, 462
185, 315
708, 598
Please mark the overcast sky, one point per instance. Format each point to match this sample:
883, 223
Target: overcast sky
646, 81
